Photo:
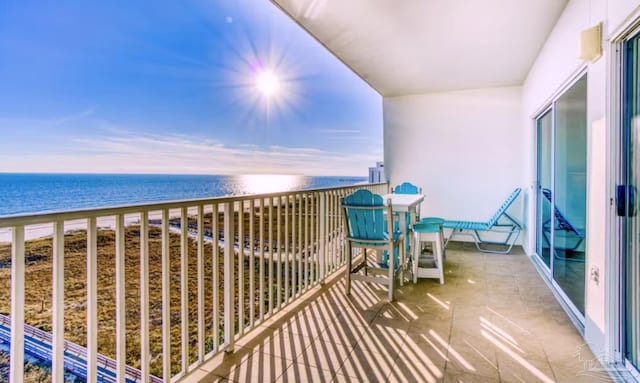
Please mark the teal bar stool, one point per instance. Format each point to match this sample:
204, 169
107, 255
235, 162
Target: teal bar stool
423, 267
438, 221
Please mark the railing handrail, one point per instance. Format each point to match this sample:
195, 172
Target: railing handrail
75, 214
299, 243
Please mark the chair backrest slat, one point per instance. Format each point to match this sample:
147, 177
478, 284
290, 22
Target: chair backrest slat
365, 212
503, 209
406, 188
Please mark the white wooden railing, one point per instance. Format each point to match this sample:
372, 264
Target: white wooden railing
283, 244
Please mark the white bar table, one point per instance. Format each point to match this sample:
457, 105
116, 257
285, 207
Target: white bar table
403, 204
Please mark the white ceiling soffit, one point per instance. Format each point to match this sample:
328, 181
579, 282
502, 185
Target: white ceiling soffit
418, 46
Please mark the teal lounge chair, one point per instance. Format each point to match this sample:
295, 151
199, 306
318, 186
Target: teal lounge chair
563, 228
501, 222
368, 228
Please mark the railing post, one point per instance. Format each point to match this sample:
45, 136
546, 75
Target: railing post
121, 350
16, 369
57, 364
252, 271
166, 298
216, 276
241, 268
271, 257
92, 301
322, 215
229, 279
200, 272
144, 296
184, 293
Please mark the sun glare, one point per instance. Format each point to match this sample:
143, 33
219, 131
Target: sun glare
267, 83
269, 183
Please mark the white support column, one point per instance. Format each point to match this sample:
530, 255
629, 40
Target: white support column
16, 369
121, 351
200, 223
144, 297
57, 363
229, 279
92, 301
184, 292
166, 299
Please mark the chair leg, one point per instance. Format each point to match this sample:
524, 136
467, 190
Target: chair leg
403, 261
391, 272
439, 255
449, 238
442, 242
348, 270
416, 256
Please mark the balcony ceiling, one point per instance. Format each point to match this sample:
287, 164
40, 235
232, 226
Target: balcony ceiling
418, 46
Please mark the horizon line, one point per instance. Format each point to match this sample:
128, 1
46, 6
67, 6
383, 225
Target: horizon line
180, 174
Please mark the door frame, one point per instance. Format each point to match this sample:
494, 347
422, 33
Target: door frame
548, 109
574, 314
616, 229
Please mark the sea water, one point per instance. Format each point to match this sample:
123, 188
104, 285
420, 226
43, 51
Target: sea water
37, 193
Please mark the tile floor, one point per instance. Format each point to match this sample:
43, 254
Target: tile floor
494, 320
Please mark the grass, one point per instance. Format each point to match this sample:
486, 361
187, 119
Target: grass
38, 294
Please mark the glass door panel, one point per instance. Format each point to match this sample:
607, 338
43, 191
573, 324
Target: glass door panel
544, 126
561, 203
570, 192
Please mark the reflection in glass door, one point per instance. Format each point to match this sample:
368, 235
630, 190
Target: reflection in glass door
570, 197
631, 166
562, 192
543, 205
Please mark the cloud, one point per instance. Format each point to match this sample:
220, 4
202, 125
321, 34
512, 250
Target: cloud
127, 152
336, 131
46, 122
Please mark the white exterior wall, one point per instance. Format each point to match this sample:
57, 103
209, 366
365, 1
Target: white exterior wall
469, 149
557, 64
463, 148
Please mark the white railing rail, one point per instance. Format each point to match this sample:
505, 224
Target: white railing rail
240, 259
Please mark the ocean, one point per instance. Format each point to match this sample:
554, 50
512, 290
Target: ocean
38, 193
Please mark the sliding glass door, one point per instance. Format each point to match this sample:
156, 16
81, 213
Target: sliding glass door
631, 220
562, 191
570, 192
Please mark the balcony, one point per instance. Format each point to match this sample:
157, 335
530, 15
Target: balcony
141, 293
493, 320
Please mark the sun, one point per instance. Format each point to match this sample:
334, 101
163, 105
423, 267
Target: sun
267, 83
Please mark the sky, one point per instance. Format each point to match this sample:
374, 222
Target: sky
172, 87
